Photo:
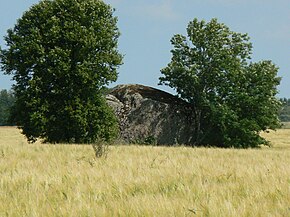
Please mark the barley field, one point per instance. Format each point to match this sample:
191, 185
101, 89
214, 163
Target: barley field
67, 180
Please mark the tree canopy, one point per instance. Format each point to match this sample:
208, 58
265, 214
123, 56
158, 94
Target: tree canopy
232, 98
61, 53
6, 102
284, 113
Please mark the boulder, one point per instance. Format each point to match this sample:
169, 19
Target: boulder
152, 116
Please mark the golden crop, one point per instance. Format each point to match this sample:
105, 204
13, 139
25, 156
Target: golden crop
67, 180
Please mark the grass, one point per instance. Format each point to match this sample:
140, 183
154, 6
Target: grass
67, 180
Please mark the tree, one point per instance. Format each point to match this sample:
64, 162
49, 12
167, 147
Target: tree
284, 113
61, 53
6, 102
232, 98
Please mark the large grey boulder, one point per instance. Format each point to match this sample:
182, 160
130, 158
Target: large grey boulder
150, 115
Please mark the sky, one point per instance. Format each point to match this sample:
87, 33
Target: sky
147, 26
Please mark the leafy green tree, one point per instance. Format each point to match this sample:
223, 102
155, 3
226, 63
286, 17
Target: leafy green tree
6, 102
284, 113
232, 98
61, 53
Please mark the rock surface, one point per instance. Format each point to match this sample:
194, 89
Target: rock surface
148, 115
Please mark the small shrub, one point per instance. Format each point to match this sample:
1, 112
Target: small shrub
101, 149
150, 140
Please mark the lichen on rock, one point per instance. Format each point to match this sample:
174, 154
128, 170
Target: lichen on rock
149, 115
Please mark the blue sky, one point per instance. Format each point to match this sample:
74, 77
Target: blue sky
148, 25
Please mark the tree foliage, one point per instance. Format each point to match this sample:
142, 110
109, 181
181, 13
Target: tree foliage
61, 53
232, 98
6, 102
284, 113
